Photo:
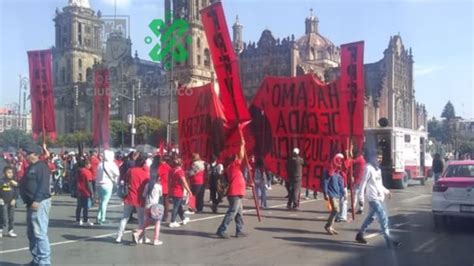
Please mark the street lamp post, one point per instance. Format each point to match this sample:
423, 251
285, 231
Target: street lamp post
132, 119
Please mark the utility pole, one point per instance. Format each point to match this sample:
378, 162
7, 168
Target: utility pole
133, 130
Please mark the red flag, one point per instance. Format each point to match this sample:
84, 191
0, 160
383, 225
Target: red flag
100, 135
225, 63
162, 148
41, 90
299, 112
201, 121
352, 91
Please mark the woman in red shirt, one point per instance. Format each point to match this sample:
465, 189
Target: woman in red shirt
136, 179
177, 187
196, 176
164, 171
84, 192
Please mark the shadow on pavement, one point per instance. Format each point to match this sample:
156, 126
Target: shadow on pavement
187, 233
295, 218
10, 264
288, 230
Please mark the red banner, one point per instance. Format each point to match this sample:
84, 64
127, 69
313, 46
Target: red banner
352, 92
41, 90
201, 121
299, 112
225, 64
100, 136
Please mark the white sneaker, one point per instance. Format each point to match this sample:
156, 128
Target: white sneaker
118, 239
1, 233
79, 223
12, 234
188, 212
174, 225
147, 241
157, 243
89, 223
186, 220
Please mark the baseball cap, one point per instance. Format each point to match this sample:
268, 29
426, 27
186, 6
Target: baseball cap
32, 148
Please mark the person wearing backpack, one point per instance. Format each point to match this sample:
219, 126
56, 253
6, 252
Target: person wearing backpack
137, 177
153, 195
107, 175
214, 175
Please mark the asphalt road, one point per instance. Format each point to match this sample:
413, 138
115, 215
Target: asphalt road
282, 237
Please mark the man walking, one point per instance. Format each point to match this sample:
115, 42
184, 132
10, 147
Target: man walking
294, 169
34, 190
235, 194
375, 193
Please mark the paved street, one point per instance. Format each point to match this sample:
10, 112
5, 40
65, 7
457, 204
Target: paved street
282, 237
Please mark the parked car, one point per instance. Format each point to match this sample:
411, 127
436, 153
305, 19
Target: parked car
453, 193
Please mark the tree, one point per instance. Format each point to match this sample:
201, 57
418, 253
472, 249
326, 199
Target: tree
72, 140
435, 129
15, 138
149, 131
448, 111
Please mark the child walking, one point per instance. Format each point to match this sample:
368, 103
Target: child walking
8, 194
152, 193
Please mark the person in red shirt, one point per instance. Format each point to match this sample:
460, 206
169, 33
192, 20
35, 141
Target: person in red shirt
164, 170
358, 166
136, 178
177, 187
84, 193
196, 175
235, 193
94, 158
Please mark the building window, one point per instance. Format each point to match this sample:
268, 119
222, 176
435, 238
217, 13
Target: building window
87, 42
79, 33
80, 63
207, 58
80, 77
63, 75
199, 60
88, 30
9, 123
199, 43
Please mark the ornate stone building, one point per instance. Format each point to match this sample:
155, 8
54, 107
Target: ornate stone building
77, 48
389, 82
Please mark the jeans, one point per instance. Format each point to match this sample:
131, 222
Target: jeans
7, 216
294, 193
105, 192
127, 211
177, 209
357, 199
83, 203
334, 202
198, 192
234, 212
262, 194
342, 215
376, 209
436, 176
37, 231
166, 204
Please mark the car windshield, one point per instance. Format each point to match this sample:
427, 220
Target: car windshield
460, 171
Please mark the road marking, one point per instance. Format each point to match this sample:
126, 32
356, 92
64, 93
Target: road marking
372, 235
427, 243
415, 198
129, 231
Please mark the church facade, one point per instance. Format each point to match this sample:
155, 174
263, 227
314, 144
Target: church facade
389, 89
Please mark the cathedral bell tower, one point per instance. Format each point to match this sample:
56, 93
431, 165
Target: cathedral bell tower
197, 70
78, 46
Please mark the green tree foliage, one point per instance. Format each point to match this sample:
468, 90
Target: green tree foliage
448, 111
14, 138
149, 131
72, 140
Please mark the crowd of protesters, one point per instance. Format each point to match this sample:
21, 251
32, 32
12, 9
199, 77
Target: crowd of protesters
148, 183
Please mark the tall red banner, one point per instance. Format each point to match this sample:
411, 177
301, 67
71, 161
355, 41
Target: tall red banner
299, 112
225, 63
100, 136
201, 121
41, 90
352, 91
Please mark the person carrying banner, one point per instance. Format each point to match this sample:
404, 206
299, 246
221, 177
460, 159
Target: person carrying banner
333, 189
294, 169
375, 193
358, 165
235, 193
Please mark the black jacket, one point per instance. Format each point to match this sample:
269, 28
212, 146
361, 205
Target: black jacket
7, 191
437, 166
294, 167
35, 185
